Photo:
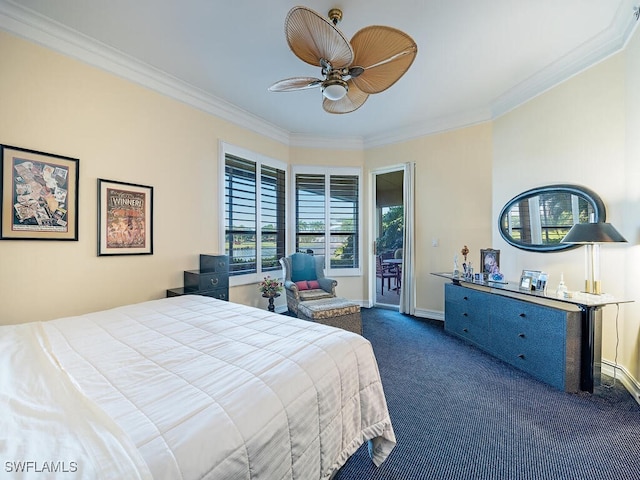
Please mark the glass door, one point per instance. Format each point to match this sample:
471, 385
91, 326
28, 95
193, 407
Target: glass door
389, 234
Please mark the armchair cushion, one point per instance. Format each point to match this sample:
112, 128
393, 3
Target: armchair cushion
303, 267
302, 285
313, 284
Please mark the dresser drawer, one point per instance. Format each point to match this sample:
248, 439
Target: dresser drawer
219, 293
197, 280
532, 338
467, 326
466, 315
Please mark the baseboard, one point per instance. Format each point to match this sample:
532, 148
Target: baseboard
621, 374
431, 314
282, 309
625, 378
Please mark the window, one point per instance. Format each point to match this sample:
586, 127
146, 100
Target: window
254, 214
327, 206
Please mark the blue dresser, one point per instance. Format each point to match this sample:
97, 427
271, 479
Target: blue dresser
542, 340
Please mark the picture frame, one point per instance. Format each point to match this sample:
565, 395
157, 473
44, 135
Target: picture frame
125, 218
489, 261
525, 282
541, 284
538, 279
38, 195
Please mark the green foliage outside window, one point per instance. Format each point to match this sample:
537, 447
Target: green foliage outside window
392, 230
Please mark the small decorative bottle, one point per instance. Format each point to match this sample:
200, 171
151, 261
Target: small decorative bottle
561, 291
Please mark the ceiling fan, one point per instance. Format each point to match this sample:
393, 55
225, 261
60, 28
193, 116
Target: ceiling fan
375, 59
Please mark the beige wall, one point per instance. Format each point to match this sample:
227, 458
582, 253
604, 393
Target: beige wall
119, 131
453, 201
630, 206
583, 131
576, 133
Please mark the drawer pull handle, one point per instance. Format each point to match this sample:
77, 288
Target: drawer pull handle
465, 314
523, 315
521, 335
214, 281
465, 330
465, 298
521, 356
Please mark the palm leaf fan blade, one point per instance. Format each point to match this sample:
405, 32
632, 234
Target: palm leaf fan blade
312, 37
296, 83
353, 100
385, 53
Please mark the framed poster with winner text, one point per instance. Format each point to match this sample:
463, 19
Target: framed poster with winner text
125, 218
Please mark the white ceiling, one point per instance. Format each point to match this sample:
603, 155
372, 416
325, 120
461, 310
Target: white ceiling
476, 58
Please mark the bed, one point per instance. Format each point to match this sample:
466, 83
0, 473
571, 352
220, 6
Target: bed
187, 387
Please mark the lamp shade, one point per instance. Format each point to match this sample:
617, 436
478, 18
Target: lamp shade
585, 233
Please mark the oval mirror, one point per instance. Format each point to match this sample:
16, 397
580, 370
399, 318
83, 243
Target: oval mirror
539, 219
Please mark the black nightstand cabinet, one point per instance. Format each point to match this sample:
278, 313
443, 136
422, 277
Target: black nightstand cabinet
211, 280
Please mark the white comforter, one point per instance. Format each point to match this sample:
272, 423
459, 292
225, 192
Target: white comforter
206, 389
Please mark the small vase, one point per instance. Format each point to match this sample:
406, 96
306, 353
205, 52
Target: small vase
561, 291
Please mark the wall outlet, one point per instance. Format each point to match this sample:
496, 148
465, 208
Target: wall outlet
435, 242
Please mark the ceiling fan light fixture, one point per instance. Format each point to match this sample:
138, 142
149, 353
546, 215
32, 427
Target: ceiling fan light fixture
334, 89
374, 59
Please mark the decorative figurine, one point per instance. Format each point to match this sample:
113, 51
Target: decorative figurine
465, 267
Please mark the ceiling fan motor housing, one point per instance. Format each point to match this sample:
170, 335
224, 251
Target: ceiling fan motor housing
334, 87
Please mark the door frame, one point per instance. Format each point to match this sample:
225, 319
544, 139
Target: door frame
373, 294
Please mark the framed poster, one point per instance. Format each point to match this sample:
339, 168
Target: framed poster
39, 195
125, 218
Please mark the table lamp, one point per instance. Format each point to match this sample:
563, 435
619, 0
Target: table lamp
592, 235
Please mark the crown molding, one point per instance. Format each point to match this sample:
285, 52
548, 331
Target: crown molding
43, 31
314, 141
609, 42
432, 127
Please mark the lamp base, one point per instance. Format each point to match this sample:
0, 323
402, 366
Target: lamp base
593, 287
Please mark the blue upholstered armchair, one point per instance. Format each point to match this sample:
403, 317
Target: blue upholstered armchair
304, 279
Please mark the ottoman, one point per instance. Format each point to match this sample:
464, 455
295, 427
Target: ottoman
335, 311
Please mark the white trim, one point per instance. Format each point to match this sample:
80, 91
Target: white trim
314, 141
599, 48
225, 148
624, 377
430, 314
55, 36
327, 172
29, 25
249, 155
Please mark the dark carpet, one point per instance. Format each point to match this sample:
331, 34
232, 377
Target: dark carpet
459, 413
